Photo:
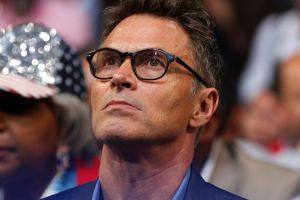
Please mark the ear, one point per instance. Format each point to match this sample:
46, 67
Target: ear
206, 104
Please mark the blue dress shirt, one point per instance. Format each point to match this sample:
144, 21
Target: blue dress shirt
180, 193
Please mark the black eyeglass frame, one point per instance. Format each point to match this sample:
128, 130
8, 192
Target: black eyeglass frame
132, 55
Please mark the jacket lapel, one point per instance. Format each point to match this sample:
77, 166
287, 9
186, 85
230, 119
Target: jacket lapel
197, 188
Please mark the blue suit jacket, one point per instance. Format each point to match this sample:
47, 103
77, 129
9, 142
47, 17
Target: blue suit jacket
197, 189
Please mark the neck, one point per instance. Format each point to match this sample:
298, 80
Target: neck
28, 184
145, 172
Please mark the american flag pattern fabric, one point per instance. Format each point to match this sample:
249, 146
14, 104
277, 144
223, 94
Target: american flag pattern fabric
35, 62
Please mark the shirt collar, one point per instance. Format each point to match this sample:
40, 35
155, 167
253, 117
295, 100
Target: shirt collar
179, 195
97, 194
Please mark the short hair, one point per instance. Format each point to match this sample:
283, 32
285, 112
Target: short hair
190, 15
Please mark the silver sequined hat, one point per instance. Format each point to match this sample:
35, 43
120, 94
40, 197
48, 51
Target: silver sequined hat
36, 63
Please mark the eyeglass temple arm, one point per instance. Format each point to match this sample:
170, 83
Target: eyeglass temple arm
192, 71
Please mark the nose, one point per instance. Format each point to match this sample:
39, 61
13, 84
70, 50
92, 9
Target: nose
124, 77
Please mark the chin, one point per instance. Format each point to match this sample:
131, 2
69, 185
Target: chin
7, 170
112, 133
120, 137
136, 139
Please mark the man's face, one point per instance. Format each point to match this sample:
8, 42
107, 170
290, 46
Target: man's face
128, 109
28, 135
290, 91
261, 119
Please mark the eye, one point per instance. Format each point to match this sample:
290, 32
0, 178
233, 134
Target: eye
110, 61
154, 62
151, 59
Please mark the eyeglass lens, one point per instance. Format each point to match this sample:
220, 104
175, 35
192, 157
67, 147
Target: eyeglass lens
147, 64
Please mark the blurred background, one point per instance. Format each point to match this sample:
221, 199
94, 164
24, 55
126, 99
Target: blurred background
252, 145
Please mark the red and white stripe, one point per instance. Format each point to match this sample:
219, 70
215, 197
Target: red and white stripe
24, 87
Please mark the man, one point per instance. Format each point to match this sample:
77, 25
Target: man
150, 99
266, 153
286, 84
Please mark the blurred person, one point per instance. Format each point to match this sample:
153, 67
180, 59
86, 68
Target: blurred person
148, 103
46, 141
245, 160
262, 121
261, 128
279, 113
255, 155
276, 38
287, 78
263, 153
259, 124
236, 21
230, 167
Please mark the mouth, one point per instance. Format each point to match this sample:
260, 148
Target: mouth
120, 104
6, 150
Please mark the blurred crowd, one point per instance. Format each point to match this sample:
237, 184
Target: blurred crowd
251, 147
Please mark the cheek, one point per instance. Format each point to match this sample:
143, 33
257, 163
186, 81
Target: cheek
37, 139
96, 100
166, 103
98, 94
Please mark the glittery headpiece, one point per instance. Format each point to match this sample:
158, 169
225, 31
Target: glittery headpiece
36, 63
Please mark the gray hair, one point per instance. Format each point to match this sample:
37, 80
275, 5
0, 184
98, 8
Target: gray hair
75, 124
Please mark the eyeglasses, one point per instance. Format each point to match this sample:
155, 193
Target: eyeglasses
147, 64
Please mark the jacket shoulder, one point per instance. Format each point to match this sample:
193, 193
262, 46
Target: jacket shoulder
199, 189
82, 192
220, 194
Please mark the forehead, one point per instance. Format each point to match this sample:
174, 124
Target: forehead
146, 31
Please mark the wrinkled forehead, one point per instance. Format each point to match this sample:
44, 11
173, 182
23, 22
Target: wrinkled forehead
142, 31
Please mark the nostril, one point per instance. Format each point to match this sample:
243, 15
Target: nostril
126, 85
121, 81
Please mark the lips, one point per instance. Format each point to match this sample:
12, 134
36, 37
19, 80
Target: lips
119, 103
6, 150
